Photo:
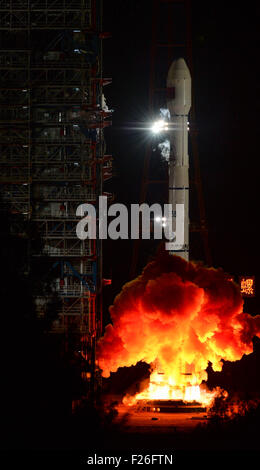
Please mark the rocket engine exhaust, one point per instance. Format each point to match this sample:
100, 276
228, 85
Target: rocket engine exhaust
177, 316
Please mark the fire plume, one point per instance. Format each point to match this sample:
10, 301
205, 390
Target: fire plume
177, 316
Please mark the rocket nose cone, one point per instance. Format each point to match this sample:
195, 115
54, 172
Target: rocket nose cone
180, 65
178, 70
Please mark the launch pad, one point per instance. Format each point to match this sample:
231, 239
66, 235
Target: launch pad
169, 406
173, 418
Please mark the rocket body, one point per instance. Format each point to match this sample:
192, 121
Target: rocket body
179, 104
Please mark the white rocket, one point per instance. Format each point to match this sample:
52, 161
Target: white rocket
179, 104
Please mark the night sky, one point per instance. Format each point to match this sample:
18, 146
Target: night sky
226, 89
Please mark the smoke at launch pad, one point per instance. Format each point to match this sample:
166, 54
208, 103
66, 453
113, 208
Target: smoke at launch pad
178, 315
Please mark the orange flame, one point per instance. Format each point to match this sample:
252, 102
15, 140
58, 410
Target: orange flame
177, 316
160, 388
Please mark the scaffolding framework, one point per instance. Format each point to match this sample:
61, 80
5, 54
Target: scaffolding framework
52, 120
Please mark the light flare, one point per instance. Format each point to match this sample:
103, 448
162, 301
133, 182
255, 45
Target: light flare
160, 126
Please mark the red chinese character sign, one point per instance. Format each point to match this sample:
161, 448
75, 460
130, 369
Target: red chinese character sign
247, 286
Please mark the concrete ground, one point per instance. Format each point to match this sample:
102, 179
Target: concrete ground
153, 422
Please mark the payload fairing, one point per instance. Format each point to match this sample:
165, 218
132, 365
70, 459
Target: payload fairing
179, 104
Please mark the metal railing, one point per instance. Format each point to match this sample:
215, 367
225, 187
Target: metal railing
31, 5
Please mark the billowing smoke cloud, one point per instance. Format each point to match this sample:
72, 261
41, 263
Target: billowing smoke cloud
165, 148
165, 113
179, 316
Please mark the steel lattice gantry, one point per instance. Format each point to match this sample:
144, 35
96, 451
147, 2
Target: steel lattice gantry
53, 158
46, 14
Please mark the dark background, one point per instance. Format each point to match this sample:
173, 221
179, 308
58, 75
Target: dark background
225, 41
38, 382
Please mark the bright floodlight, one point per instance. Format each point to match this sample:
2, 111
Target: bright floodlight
159, 126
